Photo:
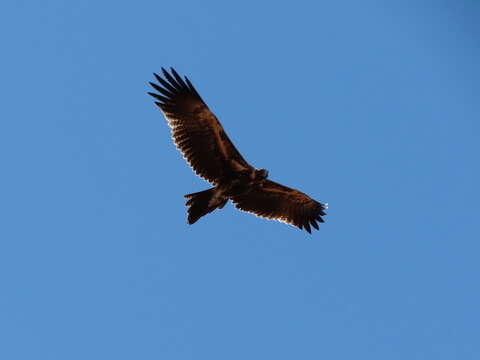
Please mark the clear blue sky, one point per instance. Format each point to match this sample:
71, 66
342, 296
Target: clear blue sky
371, 106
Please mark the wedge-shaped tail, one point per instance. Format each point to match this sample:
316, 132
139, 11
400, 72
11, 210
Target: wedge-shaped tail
203, 203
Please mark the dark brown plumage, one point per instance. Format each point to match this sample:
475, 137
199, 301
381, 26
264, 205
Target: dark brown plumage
200, 137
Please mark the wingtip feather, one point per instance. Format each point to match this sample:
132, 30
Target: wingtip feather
307, 227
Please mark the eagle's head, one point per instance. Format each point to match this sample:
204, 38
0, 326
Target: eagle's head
261, 174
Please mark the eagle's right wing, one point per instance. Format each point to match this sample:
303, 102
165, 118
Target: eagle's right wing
195, 129
278, 202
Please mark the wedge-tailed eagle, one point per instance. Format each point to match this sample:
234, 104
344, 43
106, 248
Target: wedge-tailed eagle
200, 137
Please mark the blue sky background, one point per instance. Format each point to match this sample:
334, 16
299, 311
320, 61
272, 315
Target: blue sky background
371, 106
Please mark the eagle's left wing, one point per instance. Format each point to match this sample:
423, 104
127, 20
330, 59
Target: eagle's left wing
196, 131
278, 202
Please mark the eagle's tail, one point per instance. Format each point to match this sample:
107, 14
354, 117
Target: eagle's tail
203, 203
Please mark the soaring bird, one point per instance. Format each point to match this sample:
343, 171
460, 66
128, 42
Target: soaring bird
200, 137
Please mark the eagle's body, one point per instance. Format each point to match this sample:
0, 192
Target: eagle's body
200, 137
